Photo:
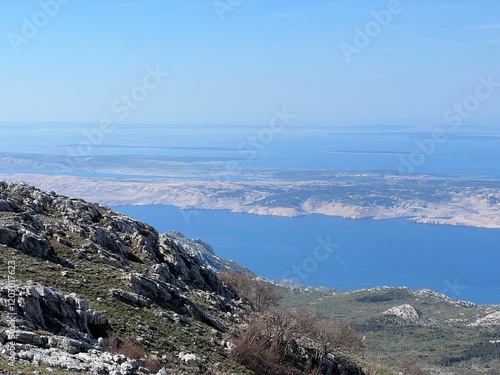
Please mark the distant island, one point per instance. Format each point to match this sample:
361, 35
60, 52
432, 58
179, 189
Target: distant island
466, 201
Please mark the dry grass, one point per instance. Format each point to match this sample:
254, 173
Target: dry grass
127, 348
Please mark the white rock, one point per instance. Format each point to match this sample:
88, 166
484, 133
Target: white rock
408, 314
492, 319
187, 357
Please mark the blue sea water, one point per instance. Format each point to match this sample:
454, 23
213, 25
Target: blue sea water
461, 262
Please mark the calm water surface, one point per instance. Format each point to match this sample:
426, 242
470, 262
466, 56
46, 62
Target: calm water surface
461, 262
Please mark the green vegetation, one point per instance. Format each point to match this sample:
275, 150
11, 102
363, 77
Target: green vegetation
152, 331
161, 305
447, 343
288, 342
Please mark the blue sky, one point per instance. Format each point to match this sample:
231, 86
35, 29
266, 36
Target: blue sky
234, 64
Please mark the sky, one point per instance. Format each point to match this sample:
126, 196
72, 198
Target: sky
332, 62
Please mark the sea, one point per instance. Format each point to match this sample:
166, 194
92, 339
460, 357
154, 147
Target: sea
317, 250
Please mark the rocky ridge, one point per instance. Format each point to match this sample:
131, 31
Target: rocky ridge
203, 252
87, 290
50, 240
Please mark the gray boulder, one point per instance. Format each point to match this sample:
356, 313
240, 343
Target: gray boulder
68, 345
25, 337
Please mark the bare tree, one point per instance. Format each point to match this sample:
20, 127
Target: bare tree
239, 283
266, 295
283, 327
261, 294
337, 335
274, 342
255, 349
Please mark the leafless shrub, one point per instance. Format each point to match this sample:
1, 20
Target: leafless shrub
271, 342
265, 295
128, 347
261, 294
111, 343
337, 335
301, 325
255, 349
131, 349
152, 363
237, 282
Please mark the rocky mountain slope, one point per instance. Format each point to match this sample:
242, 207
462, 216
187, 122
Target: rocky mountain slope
204, 253
77, 271
87, 290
